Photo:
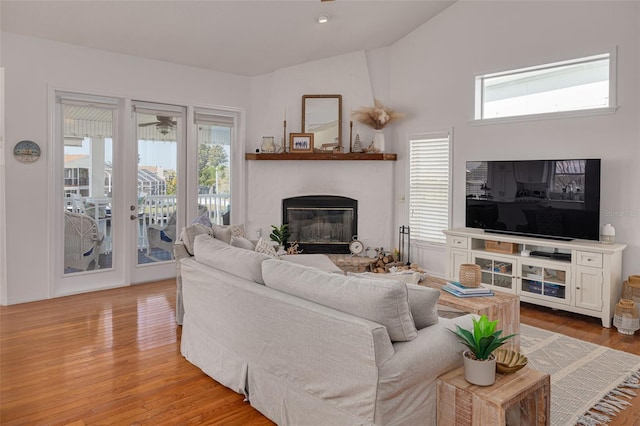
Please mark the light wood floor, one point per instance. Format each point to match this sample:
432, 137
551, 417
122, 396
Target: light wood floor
113, 357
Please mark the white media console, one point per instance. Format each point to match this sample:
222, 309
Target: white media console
578, 276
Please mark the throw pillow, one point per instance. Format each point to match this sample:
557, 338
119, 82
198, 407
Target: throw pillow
232, 260
242, 243
222, 233
225, 232
423, 301
189, 234
203, 220
262, 246
386, 302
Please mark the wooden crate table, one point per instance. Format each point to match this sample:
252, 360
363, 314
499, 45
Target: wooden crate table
503, 307
521, 398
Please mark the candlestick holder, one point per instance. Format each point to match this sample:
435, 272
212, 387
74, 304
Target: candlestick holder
284, 136
350, 135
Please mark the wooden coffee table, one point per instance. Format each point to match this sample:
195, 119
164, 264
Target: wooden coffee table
503, 307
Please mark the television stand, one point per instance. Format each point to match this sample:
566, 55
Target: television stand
577, 276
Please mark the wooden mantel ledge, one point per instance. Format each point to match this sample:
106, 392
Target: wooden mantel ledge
349, 156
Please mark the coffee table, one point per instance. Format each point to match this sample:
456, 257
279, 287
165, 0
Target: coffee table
503, 307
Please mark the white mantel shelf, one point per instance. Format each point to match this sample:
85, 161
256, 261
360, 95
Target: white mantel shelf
349, 156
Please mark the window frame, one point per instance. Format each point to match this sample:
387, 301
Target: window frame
435, 135
613, 84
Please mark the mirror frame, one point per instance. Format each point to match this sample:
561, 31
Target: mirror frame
310, 97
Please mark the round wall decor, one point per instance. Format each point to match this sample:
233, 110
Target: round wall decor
26, 151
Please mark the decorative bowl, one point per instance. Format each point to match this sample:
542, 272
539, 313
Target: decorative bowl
508, 361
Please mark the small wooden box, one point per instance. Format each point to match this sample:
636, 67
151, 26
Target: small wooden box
501, 247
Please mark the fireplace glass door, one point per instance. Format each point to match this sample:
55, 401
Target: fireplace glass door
321, 224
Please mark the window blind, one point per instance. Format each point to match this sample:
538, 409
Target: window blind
429, 188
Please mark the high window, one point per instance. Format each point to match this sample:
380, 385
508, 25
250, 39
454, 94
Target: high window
575, 85
429, 187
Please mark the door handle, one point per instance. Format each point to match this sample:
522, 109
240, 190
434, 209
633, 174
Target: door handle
133, 217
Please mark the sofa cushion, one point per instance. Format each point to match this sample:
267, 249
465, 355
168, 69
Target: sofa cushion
242, 243
385, 302
423, 301
225, 232
232, 260
189, 234
315, 260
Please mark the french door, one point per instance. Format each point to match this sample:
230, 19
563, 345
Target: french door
118, 184
159, 208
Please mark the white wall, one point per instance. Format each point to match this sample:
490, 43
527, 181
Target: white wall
32, 68
432, 79
268, 182
428, 75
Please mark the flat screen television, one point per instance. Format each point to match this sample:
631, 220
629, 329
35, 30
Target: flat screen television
557, 199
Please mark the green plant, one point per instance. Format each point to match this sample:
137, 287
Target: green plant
279, 234
484, 339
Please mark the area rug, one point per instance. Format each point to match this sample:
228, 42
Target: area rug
589, 383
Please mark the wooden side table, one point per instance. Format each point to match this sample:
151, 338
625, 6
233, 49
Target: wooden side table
521, 398
503, 307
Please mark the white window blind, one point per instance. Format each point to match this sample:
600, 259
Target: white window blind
429, 187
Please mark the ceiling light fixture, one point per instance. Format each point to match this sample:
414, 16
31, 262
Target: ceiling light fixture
322, 19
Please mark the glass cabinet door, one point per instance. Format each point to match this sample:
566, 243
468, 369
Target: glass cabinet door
496, 272
545, 282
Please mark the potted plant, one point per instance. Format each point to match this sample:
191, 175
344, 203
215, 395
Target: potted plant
479, 361
280, 234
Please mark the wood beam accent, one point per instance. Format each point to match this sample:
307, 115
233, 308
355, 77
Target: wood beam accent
350, 156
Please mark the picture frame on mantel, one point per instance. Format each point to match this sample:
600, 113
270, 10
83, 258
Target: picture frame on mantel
301, 142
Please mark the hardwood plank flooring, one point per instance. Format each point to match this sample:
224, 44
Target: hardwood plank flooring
113, 358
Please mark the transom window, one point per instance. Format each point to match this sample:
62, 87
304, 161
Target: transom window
574, 85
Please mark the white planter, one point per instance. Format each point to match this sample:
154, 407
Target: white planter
481, 373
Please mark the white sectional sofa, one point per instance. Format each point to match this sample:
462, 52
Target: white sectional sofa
311, 347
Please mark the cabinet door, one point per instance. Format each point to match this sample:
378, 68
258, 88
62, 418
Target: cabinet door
497, 272
457, 258
589, 288
545, 281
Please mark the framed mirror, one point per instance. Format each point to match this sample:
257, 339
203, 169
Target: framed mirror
322, 116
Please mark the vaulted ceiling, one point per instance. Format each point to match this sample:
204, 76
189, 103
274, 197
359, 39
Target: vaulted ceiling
240, 36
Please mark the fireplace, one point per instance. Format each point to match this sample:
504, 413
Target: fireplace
321, 223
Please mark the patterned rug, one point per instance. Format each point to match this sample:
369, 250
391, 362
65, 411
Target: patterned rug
589, 383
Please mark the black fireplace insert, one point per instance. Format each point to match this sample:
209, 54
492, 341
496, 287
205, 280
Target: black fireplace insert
321, 223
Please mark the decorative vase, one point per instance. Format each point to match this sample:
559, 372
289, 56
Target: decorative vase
470, 275
280, 250
378, 140
631, 290
476, 372
608, 234
626, 318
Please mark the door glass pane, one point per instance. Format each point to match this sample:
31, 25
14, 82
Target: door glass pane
88, 184
214, 167
156, 185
